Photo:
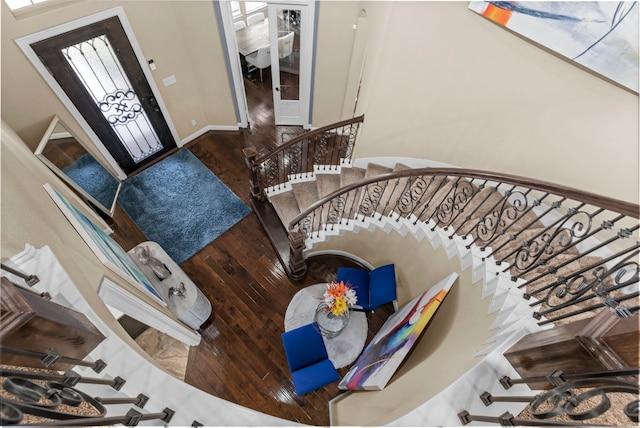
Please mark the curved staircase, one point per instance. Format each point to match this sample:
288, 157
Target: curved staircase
534, 252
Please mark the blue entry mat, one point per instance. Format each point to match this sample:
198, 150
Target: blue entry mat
180, 204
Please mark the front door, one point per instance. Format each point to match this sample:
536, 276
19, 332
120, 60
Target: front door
98, 70
291, 40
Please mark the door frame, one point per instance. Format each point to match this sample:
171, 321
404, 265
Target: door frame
227, 33
25, 42
305, 61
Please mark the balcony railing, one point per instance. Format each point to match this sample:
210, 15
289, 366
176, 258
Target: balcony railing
327, 147
572, 252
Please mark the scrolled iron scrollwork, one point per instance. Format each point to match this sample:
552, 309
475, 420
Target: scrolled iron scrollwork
413, 192
321, 148
335, 213
631, 410
125, 105
551, 241
463, 192
578, 399
371, 198
293, 160
347, 144
51, 400
601, 283
305, 226
269, 171
512, 205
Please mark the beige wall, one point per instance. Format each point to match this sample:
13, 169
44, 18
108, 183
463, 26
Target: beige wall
443, 83
333, 56
181, 37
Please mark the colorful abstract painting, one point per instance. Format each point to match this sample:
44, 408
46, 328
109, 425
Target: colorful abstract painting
600, 35
391, 345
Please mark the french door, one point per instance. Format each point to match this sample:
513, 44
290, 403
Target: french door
291, 27
97, 68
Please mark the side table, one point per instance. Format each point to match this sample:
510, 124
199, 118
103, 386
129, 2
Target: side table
192, 308
342, 349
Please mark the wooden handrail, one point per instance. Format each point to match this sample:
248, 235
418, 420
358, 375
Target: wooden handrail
626, 208
308, 135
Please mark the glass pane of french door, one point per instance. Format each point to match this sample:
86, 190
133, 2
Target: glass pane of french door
288, 27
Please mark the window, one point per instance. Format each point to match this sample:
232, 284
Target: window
25, 7
254, 6
235, 10
18, 4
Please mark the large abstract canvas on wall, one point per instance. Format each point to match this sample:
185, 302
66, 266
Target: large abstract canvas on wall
600, 35
398, 335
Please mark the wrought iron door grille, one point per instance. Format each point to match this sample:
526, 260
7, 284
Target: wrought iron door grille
96, 65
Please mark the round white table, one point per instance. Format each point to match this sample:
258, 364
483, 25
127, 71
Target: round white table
342, 349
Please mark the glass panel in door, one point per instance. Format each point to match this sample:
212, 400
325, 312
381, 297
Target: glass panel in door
96, 65
288, 39
289, 53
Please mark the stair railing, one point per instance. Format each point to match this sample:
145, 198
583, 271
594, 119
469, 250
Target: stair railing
572, 252
329, 147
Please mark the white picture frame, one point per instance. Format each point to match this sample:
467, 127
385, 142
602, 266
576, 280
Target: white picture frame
108, 251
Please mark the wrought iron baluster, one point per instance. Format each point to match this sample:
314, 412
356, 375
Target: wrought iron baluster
492, 190
581, 254
623, 274
446, 205
371, 196
412, 191
389, 192
506, 209
463, 199
439, 186
527, 243
562, 236
50, 357
579, 272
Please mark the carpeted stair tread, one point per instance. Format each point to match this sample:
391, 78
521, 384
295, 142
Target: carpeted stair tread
306, 193
327, 183
351, 175
374, 169
286, 206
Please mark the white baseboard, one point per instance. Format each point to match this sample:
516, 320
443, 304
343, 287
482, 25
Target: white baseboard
206, 129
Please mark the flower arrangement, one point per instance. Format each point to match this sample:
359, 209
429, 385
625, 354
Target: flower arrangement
338, 297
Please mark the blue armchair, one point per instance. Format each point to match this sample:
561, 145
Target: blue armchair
373, 288
308, 360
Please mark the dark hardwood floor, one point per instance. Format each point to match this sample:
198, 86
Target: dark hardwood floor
240, 357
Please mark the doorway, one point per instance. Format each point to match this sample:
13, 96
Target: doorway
93, 65
291, 29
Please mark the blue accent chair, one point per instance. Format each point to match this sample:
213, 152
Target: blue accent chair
308, 360
373, 288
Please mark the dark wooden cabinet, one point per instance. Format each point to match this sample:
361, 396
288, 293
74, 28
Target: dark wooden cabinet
604, 342
32, 323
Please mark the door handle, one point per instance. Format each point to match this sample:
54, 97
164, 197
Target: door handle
277, 89
153, 103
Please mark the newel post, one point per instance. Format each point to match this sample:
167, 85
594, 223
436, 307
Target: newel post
250, 154
297, 263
